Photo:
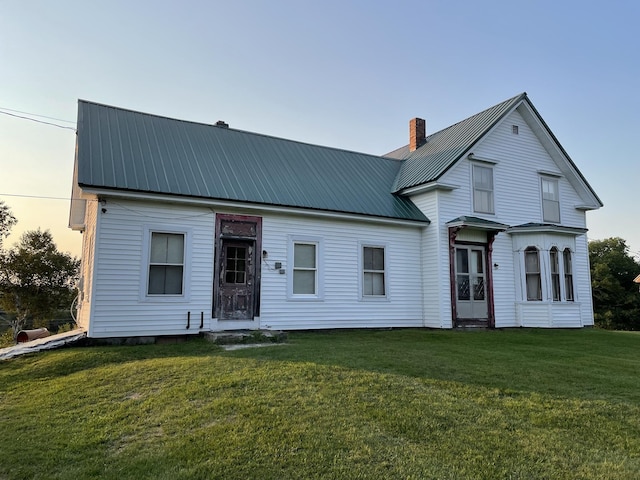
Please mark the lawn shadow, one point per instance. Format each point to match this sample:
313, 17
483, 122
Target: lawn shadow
589, 364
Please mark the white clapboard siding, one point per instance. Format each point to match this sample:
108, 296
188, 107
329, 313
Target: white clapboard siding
120, 307
517, 198
341, 305
435, 264
85, 290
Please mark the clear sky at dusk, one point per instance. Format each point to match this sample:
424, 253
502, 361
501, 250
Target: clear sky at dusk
348, 74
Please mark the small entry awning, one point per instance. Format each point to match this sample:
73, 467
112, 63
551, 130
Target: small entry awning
478, 223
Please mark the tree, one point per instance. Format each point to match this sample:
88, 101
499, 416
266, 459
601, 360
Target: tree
616, 299
7, 220
35, 279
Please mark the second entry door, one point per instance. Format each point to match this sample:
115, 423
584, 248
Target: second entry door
470, 283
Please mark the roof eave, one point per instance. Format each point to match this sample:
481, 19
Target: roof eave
247, 205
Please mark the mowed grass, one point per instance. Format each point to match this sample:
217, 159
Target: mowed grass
519, 404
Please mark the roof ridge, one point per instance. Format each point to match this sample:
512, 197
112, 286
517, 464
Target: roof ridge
523, 95
264, 135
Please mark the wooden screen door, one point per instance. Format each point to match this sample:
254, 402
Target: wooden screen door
237, 280
470, 283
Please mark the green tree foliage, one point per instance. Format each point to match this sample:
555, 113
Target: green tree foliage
7, 220
616, 299
35, 279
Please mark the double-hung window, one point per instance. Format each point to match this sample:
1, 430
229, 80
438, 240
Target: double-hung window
532, 274
568, 275
305, 268
166, 264
550, 200
555, 274
373, 272
483, 189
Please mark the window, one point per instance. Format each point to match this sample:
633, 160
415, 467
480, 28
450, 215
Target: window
555, 274
235, 271
305, 269
532, 274
483, 189
550, 200
373, 282
568, 275
166, 264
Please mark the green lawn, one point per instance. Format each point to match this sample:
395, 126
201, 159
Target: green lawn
520, 404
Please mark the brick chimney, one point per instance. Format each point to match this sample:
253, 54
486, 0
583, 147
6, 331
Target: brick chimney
417, 133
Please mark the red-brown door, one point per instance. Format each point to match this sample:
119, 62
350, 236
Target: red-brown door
237, 280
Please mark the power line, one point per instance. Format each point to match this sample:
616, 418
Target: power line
33, 196
36, 115
39, 121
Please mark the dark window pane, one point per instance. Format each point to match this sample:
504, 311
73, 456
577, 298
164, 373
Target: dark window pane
165, 280
373, 284
304, 282
462, 260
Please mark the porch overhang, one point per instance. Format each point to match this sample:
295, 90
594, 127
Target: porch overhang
546, 228
477, 223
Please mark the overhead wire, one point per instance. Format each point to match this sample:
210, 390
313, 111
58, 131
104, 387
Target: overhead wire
36, 115
39, 121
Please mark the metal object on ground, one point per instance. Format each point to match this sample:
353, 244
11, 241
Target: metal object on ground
28, 335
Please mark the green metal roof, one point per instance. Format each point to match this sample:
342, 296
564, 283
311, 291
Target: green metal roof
132, 151
444, 148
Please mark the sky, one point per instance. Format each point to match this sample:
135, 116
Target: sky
346, 74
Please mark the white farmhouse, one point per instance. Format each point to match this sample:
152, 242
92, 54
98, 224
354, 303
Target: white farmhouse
190, 227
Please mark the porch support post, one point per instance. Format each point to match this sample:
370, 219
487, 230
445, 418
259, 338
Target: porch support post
453, 233
491, 236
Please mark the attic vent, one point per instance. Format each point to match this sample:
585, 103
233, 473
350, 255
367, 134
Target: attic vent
514, 129
222, 124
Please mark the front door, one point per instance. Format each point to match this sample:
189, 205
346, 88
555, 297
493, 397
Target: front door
470, 283
237, 280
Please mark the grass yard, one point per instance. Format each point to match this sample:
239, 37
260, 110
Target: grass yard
406, 404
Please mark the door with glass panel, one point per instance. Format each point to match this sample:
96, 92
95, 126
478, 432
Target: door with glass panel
470, 283
236, 280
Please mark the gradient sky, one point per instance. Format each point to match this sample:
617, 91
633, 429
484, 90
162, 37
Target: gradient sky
348, 74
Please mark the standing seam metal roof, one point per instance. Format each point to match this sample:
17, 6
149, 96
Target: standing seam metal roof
444, 148
132, 151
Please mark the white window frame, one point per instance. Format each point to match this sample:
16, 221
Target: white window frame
186, 265
474, 188
547, 201
539, 274
362, 271
319, 278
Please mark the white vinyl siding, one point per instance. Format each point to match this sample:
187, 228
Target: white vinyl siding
340, 303
519, 161
483, 189
121, 306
